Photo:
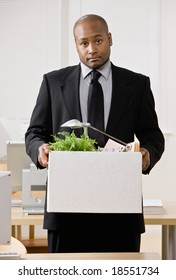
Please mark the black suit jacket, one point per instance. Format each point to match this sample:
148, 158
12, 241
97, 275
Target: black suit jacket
132, 112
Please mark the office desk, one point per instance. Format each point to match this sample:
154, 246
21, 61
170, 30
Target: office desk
19, 219
92, 256
166, 220
168, 223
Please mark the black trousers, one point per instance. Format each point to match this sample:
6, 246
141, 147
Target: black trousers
91, 241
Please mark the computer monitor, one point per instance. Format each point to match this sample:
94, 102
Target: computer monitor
17, 160
33, 190
5, 207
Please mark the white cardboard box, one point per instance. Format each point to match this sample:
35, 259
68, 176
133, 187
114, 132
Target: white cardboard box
94, 182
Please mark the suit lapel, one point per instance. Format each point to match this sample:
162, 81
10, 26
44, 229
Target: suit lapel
120, 98
70, 92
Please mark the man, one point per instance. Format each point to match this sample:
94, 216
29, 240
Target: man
128, 110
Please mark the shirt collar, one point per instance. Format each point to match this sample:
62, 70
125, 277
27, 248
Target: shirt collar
104, 70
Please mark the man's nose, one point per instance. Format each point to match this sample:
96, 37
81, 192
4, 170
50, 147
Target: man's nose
92, 48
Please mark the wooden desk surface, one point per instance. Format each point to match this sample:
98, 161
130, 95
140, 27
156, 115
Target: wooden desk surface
93, 256
18, 217
168, 218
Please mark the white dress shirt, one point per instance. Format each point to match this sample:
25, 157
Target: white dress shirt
106, 83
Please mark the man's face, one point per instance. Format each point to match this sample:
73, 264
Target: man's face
92, 43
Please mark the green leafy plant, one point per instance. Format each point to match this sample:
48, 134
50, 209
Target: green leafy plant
69, 142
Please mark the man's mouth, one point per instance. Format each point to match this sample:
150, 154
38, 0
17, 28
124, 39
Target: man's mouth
94, 58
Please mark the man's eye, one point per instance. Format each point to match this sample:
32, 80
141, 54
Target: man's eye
84, 44
98, 41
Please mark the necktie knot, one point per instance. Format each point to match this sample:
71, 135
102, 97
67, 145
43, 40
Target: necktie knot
95, 75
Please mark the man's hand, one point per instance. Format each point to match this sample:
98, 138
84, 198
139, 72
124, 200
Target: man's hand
145, 159
43, 152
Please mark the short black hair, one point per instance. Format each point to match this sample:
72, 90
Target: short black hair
91, 17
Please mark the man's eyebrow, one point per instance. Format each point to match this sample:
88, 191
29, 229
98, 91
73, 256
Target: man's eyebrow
95, 36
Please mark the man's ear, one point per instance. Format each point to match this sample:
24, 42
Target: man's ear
110, 38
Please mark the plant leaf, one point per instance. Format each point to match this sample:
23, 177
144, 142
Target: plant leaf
69, 142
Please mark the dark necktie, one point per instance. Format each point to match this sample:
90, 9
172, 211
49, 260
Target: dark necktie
96, 108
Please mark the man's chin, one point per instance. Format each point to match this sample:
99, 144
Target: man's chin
94, 64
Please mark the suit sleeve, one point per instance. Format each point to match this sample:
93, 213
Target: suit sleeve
40, 127
148, 131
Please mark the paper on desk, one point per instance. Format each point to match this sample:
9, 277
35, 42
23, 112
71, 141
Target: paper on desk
153, 206
152, 202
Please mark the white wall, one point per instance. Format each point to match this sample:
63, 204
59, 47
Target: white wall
162, 180
36, 37
29, 47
